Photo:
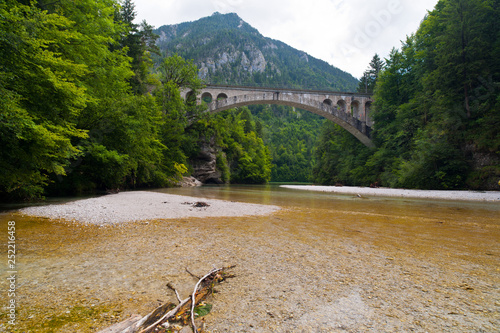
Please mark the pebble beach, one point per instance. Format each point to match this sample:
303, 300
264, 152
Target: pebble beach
142, 205
403, 193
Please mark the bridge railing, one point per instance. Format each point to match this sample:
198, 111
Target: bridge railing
285, 89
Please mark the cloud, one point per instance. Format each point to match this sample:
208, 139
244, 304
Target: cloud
344, 33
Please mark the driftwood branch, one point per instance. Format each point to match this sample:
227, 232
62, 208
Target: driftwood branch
193, 295
125, 326
196, 276
166, 316
175, 291
168, 313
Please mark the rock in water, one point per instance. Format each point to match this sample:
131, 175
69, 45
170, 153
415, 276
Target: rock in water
189, 182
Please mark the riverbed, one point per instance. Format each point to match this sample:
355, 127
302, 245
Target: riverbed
324, 262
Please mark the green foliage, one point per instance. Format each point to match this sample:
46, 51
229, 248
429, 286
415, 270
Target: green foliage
223, 166
126, 142
290, 135
123, 148
367, 82
243, 157
179, 72
40, 98
203, 309
175, 74
340, 158
73, 116
434, 164
139, 43
436, 103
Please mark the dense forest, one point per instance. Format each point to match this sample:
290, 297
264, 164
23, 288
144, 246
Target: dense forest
89, 101
291, 135
81, 109
436, 110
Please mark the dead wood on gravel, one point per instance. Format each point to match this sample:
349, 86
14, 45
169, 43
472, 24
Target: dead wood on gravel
173, 318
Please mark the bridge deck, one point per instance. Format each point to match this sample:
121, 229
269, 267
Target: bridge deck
288, 90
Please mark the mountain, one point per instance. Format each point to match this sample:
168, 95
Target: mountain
228, 50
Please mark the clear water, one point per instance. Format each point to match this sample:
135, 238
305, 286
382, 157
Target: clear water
65, 268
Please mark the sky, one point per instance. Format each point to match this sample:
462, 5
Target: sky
344, 33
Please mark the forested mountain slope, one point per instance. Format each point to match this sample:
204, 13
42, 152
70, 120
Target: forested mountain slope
227, 50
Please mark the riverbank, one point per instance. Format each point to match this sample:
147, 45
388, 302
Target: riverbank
141, 205
489, 196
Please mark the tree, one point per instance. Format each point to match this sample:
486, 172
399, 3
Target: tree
340, 158
175, 74
249, 160
461, 29
367, 82
139, 42
41, 96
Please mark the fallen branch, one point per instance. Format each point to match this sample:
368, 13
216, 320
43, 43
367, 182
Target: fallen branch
169, 314
196, 276
193, 295
165, 317
175, 291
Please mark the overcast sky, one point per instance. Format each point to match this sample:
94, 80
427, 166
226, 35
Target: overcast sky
344, 33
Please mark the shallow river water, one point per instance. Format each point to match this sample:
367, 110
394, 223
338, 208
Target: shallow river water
324, 263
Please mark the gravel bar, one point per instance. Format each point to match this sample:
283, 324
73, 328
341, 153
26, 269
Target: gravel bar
402, 193
143, 205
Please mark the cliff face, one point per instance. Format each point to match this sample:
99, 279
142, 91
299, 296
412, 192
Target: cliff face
250, 62
205, 164
485, 165
227, 50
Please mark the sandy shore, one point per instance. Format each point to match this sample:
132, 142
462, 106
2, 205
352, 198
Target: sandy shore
402, 193
142, 205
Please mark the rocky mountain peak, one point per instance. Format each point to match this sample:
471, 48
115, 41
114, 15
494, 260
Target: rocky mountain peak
227, 50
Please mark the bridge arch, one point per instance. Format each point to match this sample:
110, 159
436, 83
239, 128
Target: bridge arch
206, 97
342, 105
221, 96
355, 110
333, 106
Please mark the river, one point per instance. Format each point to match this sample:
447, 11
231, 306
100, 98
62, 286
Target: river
324, 263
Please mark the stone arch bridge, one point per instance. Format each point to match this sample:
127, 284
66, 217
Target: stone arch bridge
349, 110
